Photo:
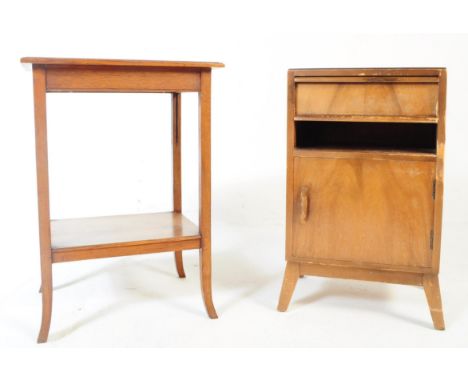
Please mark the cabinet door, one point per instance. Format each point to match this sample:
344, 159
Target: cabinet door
363, 211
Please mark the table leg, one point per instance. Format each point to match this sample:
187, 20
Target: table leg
39, 77
177, 169
205, 191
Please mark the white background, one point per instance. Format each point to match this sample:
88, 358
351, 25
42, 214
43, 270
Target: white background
109, 154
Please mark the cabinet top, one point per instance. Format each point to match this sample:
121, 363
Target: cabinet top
128, 63
368, 72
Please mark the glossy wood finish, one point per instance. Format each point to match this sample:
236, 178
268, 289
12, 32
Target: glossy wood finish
361, 210
367, 99
121, 230
90, 238
365, 213
51, 61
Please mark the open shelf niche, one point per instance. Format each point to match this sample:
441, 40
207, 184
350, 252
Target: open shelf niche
382, 136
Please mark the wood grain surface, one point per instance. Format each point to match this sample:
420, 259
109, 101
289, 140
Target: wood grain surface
121, 229
118, 62
364, 210
376, 99
365, 177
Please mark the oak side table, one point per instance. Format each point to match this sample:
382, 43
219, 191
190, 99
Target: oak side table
100, 237
365, 177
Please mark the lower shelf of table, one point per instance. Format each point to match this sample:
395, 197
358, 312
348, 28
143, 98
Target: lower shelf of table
122, 235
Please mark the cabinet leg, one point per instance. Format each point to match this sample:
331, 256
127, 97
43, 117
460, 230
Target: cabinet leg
432, 290
179, 264
205, 279
46, 290
291, 275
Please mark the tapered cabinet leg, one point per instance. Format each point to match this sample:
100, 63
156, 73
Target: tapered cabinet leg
432, 290
291, 275
205, 191
177, 168
40, 121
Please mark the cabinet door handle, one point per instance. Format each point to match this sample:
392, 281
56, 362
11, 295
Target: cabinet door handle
304, 204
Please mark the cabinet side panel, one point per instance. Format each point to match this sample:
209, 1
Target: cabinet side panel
439, 190
290, 163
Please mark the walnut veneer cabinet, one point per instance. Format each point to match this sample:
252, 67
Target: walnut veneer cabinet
365, 161
100, 237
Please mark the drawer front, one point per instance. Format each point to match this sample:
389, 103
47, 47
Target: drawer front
363, 211
367, 99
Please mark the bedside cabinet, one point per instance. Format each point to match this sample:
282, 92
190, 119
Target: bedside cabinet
365, 177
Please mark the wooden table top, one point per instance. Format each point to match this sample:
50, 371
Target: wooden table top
129, 63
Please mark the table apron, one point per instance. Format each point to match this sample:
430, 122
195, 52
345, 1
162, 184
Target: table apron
76, 79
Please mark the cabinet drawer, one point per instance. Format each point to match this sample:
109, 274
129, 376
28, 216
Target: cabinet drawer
363, 210
399, 98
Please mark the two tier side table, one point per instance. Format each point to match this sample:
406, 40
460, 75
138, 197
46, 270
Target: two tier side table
101, 237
